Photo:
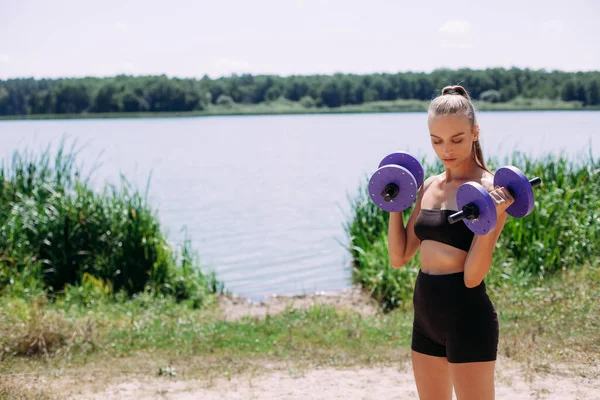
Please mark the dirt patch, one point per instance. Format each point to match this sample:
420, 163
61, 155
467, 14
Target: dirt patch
351, 299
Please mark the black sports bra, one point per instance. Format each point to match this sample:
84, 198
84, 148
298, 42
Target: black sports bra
432, 224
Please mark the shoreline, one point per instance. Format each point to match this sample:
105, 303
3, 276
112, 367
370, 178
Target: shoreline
258, 110
352, 298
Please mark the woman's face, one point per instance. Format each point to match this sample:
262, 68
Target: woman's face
452, 138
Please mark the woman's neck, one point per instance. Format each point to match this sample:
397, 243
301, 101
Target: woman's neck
462, 172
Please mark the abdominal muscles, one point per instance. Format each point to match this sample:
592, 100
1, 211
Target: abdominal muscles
439, 258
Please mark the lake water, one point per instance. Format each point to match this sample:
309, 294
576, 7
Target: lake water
264, 198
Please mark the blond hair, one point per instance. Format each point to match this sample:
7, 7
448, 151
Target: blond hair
455, 100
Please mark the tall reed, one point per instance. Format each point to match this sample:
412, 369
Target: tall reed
55, 229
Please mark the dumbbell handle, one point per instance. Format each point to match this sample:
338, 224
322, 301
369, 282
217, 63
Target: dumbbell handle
470, 210
533, 181
390, 192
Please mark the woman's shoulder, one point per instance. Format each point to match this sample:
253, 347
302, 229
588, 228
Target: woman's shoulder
432, 180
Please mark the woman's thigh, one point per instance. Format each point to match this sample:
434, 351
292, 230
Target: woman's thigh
473, 380
432, 376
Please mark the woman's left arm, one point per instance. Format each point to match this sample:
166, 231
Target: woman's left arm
479, 259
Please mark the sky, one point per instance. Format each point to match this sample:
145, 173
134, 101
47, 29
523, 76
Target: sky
193, 38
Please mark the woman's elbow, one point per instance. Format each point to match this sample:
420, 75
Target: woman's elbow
471, 282
473, 279
397, 262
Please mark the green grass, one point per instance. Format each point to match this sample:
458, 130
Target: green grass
550, 322
116, 328
283, 106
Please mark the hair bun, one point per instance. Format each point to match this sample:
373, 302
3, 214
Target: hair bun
456, 89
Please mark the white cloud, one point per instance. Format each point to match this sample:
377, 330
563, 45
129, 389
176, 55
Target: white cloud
300, 3
121, 24
455, 27
4, 58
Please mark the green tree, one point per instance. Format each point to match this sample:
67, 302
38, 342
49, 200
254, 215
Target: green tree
592, 93
493, 96
72, 98
331, 95
569, 90
106, 99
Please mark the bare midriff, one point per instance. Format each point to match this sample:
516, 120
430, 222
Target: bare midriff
439, 258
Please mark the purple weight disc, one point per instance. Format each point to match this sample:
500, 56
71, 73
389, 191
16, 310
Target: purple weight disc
407, 161
512, 178
473, 192
399, 176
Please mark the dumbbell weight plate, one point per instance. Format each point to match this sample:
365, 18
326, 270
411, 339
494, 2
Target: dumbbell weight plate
407, 161
513, 179
402, 178
473, 192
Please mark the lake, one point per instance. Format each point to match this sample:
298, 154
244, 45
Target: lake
264, 198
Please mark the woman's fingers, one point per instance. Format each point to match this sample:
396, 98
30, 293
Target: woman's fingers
501, 195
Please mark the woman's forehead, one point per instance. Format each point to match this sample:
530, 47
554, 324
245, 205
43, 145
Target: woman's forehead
442, 125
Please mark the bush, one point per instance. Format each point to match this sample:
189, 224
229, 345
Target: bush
307, 102
225, 101
56, 232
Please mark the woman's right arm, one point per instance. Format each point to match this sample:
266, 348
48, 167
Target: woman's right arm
402, 242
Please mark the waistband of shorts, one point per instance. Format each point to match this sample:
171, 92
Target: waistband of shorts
450, 276
451, 280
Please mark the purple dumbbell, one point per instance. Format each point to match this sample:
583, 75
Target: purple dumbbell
393, 187
477, 208
519, 187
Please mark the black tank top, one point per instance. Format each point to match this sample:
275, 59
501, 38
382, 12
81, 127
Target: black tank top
432, 224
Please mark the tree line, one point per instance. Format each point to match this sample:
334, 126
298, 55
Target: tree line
124, 93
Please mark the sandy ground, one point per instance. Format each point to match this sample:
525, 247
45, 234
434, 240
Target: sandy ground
282, 382
324, 384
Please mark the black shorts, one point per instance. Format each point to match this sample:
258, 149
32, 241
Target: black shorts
452, 320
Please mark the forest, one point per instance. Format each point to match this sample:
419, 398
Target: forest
124, 93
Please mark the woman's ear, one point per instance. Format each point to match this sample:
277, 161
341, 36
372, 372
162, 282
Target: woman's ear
476, 133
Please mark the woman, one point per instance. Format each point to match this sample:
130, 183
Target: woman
455, 328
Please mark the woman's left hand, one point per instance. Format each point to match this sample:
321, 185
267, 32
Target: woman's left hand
502, 199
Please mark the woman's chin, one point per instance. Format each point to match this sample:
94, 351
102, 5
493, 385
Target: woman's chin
449, 162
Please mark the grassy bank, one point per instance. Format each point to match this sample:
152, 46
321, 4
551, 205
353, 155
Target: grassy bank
551, 322
553, 318
283, 106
